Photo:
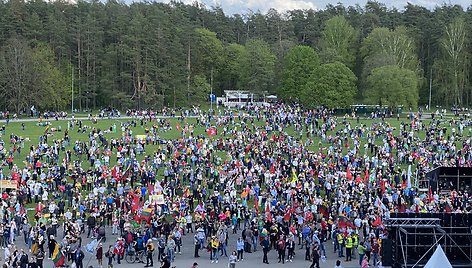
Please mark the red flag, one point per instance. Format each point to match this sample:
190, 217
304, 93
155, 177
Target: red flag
348, 174
114, 172
447, 209
178, 126
288, 214
382, 185
268, 214
323, 210
366, 176
211, 131
256, 204
272, 169
377, 222
134, 203
430, 195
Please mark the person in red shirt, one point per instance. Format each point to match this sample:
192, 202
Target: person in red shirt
281, 249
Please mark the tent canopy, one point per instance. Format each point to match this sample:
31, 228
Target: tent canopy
438, 260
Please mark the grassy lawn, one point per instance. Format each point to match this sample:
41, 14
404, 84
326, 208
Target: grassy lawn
32, 132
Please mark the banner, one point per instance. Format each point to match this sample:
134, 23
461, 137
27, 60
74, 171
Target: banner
8, 184
160, 199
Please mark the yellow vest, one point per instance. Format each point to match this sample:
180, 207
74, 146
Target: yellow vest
356, 240
340, 238
349, 242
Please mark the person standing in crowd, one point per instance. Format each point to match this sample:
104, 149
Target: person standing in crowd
79, 258
361, 252
196, 243
109, 255
149, 252
338, 264
215, 244
40, 258
265, 249
349, 245
290, 249
99, 255
240, 248
232, 260
281, 249
315, 257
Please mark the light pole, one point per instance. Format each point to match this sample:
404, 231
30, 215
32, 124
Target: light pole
211, 90
72, 89
430, 87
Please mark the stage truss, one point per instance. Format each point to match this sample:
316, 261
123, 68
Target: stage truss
407, 235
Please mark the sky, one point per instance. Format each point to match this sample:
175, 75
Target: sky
242, 6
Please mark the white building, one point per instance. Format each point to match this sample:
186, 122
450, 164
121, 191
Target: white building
240, 98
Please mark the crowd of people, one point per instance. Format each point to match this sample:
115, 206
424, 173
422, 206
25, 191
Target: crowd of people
278, 178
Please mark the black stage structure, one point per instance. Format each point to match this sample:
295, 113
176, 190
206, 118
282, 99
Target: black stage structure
414, 236
446, 179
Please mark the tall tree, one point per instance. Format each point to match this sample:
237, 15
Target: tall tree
396, 44
391, 85
16, 75
258, 67
50, 81
454, 45
332, 85
337, 41
299, 67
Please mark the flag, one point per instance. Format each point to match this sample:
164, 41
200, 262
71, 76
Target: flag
178, 126
57, 256
294, 176
348, 174
409, 177
134, 203
90, 247
146, 214
378, 203
366, 176
127, 165
430, 194
447, 208
344, 224
211, 131
323, 210
268, 214
256, 204
377, 222
288, 214
186, 193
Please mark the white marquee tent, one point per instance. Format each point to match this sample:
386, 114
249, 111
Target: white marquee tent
438, 260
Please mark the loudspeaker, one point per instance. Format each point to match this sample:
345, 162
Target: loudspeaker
387, 252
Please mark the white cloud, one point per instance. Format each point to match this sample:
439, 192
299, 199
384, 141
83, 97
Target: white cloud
241, 6
264, 5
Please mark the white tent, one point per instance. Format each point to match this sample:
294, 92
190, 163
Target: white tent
438, 260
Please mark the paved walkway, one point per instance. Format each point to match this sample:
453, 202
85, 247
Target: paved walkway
185, 260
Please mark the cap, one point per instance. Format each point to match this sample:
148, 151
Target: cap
195, 264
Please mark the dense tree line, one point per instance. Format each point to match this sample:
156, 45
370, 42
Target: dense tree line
151, 55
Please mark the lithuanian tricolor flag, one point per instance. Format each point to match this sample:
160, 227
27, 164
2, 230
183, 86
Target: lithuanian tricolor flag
57, 256
146, 212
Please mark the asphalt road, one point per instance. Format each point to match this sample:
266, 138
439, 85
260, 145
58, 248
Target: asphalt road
186, 259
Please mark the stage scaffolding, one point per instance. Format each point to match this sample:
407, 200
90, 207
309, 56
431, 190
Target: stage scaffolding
415, 240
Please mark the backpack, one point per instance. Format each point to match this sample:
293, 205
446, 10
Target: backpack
280, 244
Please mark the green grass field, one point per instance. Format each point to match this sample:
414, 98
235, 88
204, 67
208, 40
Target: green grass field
32, 133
